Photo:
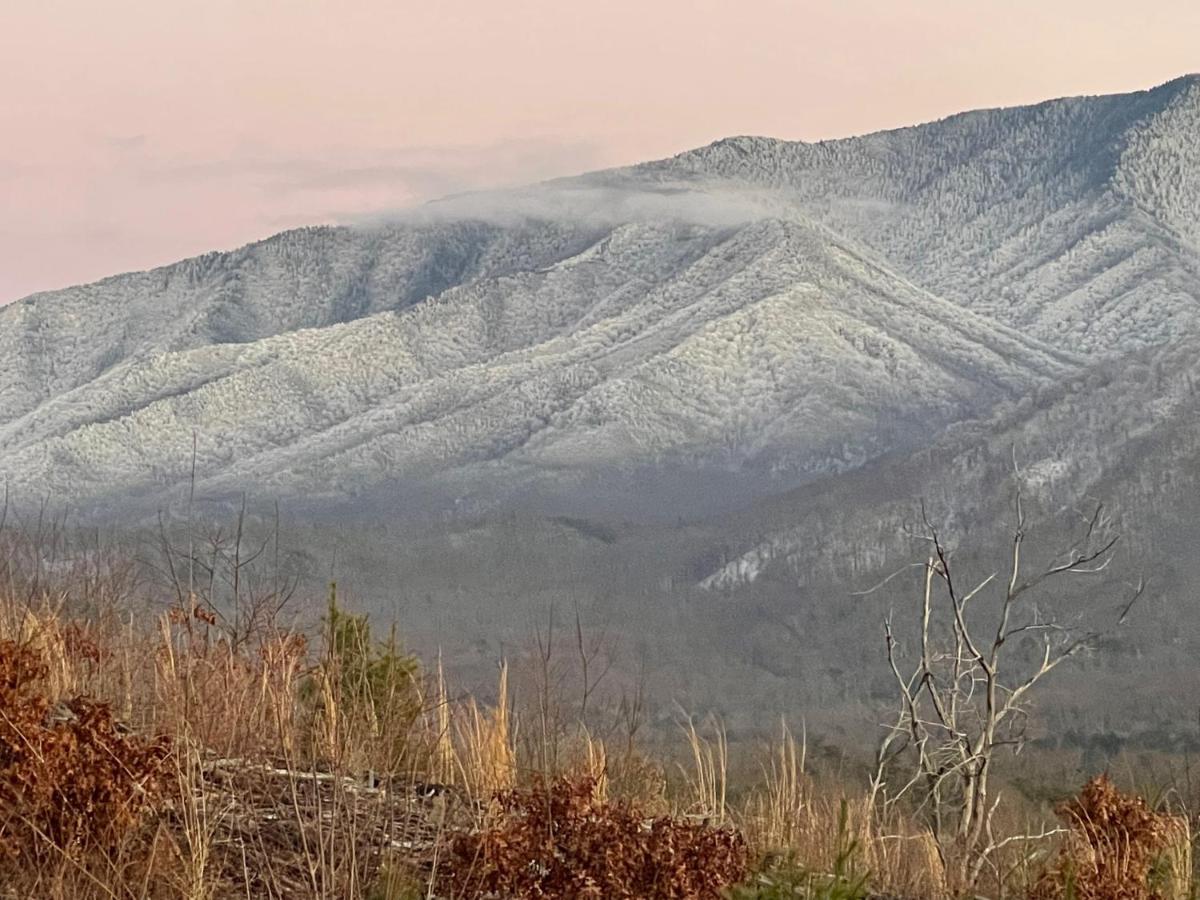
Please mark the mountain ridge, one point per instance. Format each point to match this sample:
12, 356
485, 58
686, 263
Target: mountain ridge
753, 305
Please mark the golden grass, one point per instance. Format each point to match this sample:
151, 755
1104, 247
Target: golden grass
484, 752
706, 779
788, 814
325, 776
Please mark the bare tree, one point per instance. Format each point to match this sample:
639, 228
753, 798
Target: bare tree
967, 697
222, 578
595, 661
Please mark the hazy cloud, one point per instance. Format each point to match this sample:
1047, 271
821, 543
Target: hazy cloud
413, 173
13, 169
136, 203
593, 201
127, 143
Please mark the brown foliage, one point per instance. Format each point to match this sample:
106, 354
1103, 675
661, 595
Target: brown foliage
1115, 845
69, 779
558, 840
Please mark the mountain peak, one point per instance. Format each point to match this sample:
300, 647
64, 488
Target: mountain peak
757, 304
1106, 107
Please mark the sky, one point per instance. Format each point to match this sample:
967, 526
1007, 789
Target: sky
137, 132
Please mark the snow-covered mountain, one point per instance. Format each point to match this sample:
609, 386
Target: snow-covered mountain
787, 309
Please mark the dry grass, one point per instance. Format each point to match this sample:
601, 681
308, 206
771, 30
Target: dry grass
789, 815
706, 779
267, 766
484, 753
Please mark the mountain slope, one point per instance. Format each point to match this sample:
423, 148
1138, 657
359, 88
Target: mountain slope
310, 278
769, 342
787, 310
1074, 220
1125, 432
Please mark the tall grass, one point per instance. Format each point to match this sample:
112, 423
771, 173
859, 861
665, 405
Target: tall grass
328, 766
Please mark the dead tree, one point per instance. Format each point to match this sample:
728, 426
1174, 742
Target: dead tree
966, 698
222, 579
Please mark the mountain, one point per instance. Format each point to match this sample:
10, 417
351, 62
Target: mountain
760, 316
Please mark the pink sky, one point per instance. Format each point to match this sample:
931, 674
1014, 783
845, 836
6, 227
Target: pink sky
137, 132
